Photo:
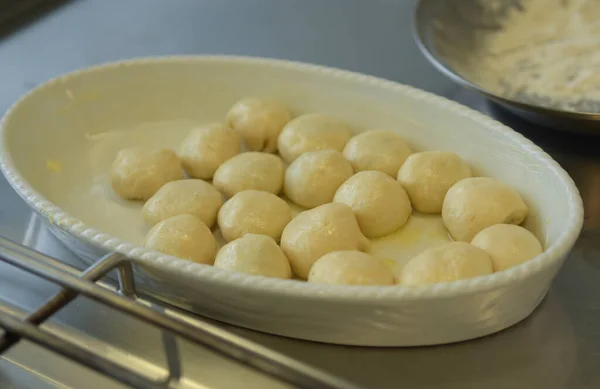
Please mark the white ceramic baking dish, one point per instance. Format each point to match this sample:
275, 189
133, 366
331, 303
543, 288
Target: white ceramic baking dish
57, 143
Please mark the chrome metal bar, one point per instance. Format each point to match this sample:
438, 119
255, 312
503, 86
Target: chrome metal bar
213, 337
126, 279
62, 298
172, 355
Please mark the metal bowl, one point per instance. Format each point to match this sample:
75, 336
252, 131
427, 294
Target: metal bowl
453, 36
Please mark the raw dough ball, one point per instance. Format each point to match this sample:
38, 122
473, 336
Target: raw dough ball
446, 263
350, 268
314, 233
255, 212
253, 170
476, 203
508, 245
259, 122
379, 202
254, 254
312, 132
138, 172
206, 148
427, 177
381, 150
313, 178
183, 236
191, 197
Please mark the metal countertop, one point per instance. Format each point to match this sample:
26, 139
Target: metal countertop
558, 347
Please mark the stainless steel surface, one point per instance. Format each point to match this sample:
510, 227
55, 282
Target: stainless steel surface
450, 35
558, 347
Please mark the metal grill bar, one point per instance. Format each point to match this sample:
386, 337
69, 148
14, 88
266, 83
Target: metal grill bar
200, 332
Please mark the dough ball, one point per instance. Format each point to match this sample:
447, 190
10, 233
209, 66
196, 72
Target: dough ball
508, 245
319, 231
259, 122
183, 236
313, 178
350, 268
379, 202
206, 148
381, 150
191, 197
253, 170
473, 204
427, 177
254, 212
312, 132
138, 172
254, 254
446, 263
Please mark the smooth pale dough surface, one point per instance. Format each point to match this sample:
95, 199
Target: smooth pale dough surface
138, 172
428, 176
319, 231
379, 202
312, 179
381, 150
251, 170
508, 245
183, 236
191, 197
446, 263
312, 132
254, 254
473, 204
259, 122
255, 212
205, 148
350, 268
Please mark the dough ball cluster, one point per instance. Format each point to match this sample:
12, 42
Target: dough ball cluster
380, 150
252, 170
350, 268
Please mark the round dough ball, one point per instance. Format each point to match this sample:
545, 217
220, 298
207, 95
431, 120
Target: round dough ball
427, 176
252, 170
313, 178
319, 231
254, 254
183, 236
381, 150
508, 245
191, 197
379, 202
254, 212
138, 172
446, 263
350, 268
206, 148
259, 122
312, 132
473, 204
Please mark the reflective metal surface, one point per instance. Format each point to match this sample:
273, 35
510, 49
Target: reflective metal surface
558, 347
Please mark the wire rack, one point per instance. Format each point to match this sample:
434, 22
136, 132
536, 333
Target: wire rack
125, 299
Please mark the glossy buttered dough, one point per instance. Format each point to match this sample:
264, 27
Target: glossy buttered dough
312, 132
473, 204
380, 150
254, 254
138, 172
259, 122
256, 212
508, 245
350, 268
183, 236
446, 263
252, 170
205, 148
428, 176
192, 197
379, 202
312, 179
319, 231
